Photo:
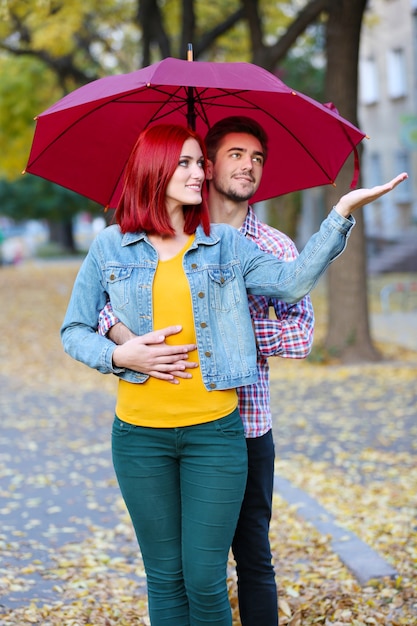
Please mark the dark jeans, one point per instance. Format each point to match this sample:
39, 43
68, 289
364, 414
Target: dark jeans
258, 602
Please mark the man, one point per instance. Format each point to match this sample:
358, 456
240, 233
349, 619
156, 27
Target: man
237, 149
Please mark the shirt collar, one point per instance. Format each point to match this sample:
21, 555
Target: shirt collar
250, 227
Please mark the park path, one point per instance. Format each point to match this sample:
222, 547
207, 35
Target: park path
57, 483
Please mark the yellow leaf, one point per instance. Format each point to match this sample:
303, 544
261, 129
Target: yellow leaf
284, 607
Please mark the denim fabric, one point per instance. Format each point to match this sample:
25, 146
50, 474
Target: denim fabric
183, 488
221, 268
257, 590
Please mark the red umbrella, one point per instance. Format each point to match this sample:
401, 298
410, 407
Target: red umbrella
83, 141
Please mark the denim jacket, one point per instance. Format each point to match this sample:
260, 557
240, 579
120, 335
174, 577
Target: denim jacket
221, 269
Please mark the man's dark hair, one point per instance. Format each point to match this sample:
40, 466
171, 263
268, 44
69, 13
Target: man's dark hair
234, 124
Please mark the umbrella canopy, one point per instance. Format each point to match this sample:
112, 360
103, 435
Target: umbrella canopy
84, 140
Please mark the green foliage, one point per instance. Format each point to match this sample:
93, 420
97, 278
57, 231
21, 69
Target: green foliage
26, 89
31, 197
50, 48
87, 31
299, 72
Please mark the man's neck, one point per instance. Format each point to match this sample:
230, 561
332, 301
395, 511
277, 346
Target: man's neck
226, 211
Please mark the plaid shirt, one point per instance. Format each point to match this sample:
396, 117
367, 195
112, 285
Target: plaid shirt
289, 336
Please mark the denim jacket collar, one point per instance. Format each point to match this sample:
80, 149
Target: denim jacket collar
200, 237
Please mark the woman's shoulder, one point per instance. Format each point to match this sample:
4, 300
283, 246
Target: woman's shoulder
106, 238
109, 233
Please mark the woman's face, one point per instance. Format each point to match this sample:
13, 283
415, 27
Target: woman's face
185, 186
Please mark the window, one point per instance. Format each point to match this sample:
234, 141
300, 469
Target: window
368, 81
396, 74
402, 164
375, 170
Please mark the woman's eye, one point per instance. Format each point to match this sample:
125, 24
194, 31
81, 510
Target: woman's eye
183, 162
201, 164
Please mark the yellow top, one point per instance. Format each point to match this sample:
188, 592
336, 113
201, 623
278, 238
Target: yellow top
158, 403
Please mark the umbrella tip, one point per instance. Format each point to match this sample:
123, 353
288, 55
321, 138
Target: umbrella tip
190, 52
23, 171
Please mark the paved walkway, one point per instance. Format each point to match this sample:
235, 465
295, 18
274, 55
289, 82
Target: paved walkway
57, 483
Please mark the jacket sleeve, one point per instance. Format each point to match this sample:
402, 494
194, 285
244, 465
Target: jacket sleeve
79, 329
290, 281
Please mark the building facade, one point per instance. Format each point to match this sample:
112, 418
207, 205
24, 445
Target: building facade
388, 114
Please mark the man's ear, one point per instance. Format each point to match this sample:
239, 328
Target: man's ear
209, 170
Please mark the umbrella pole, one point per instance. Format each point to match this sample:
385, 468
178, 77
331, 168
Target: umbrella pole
190, 94
190, 108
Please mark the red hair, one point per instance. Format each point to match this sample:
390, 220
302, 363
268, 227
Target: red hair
151, 165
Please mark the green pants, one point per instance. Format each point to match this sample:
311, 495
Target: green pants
183, 488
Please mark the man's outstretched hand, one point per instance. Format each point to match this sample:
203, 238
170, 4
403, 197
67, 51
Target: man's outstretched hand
359, 197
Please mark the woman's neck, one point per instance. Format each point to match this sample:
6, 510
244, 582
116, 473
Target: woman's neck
168, 247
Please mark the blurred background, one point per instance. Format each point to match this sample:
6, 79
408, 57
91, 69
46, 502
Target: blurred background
360, 55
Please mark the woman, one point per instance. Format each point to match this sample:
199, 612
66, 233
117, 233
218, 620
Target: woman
178, 450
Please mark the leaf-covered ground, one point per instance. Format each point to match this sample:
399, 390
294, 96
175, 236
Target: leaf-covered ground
68, 557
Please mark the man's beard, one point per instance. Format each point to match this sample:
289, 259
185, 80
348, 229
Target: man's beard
232, 194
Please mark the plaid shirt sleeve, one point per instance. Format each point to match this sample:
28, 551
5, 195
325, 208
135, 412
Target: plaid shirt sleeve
106, 319
290, 335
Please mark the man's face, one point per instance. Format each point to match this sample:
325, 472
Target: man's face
238, 167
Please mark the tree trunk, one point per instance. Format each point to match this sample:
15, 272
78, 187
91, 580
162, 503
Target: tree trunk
348, 333
149, 17
62, 233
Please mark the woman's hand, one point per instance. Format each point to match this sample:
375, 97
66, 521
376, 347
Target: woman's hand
359, 197
150, 354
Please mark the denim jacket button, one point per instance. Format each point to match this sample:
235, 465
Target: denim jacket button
212, 385
203, 325
194, 266
201, 294
208, 354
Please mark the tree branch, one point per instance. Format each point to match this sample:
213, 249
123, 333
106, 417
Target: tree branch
63, 67
208, 38
269, 56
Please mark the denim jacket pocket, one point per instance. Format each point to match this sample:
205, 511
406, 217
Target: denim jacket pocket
118, 285
224, 288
